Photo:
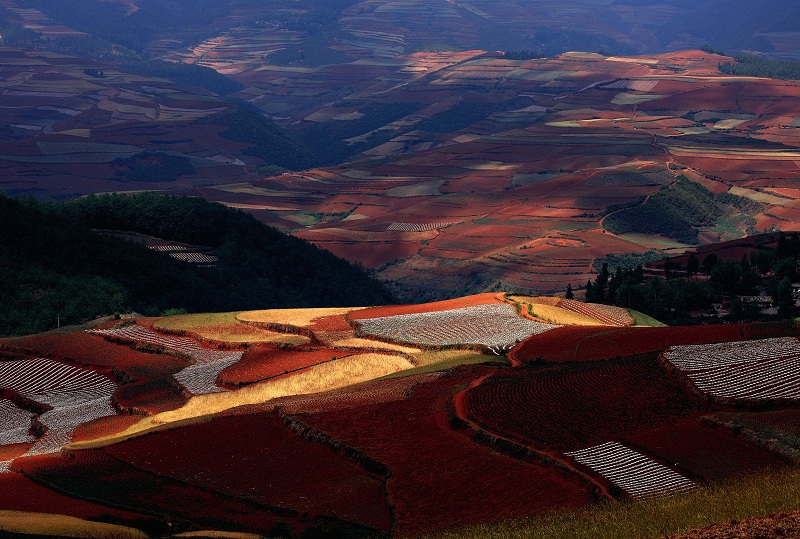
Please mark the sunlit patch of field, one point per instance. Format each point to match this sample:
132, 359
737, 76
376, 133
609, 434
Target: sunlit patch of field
760, 197
442, 360
430, 188
552, 314
369, 344
625, 98
224, 327
342, 372
20, 522
292, 317
654, 242
729, 124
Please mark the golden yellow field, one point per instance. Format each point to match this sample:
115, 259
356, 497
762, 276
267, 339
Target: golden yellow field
224, 327
343, 372
291, 317
545, 309
63, 526
369, 344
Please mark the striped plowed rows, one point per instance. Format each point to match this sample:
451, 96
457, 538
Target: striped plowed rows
380, 391
15, 424
571, 406
637, 475
74, 396
496, 325
448, 304
88, 349
607, 314
414, 439
415, 227
750, 370
199, 378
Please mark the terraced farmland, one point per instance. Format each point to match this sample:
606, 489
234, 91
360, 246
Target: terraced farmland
637, 475
199, 378
753, 370
73, 396
567, 407
496, 326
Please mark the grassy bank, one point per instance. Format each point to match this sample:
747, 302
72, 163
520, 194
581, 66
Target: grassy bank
748, 497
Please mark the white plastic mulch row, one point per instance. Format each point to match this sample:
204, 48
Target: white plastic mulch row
639, 476
197, 379
76, 395
760, 369
493, 325
15, 424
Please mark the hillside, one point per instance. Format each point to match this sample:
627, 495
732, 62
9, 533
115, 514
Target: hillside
319, 32
397, 421
56, 269
76, 126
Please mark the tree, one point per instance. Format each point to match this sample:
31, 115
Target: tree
709, 262
570, 294
782, 297
692, 266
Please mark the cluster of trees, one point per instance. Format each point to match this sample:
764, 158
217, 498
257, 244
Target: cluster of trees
756, 66
185, 75
270, 142
55, 269
675, 211
151, 167
673, 297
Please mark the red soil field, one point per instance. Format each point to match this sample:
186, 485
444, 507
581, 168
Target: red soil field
151, 396
586, 343
380, 391
574, 406
457, 303
96, 475
712, 453
104, 426
267, 362
257, 457
19, 493
414, 439
90, 349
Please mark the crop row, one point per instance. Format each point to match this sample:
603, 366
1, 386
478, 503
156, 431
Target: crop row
415, 227
53, 383
15, 424
607, 314
75, 396
762, 369
199, 378
90, 349
489, 325
574, 405
421, 447
637, 475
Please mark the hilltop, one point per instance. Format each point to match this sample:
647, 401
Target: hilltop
66, 263
397, 421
